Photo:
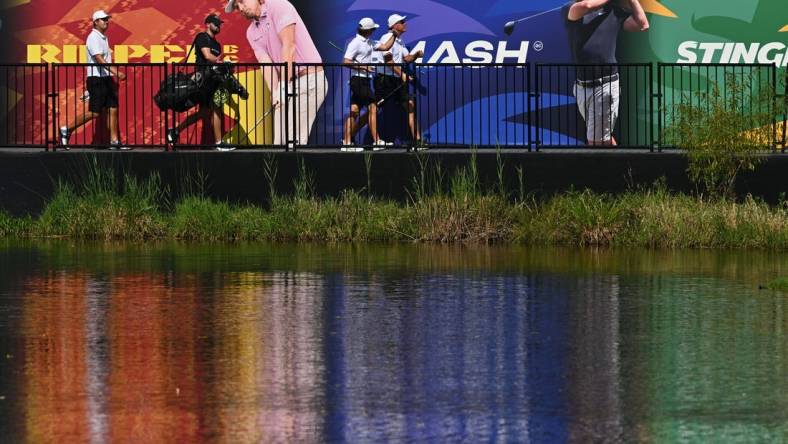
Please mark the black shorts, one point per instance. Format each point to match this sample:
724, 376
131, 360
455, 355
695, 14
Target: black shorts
361, 91
386, 88
205, 98
103, 93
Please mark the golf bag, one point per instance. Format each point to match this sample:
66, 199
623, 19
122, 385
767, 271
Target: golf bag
179, 92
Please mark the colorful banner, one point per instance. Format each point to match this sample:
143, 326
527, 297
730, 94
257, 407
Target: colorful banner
460, 31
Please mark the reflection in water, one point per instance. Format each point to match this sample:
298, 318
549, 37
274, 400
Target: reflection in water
374, 348
97, 359
55, 371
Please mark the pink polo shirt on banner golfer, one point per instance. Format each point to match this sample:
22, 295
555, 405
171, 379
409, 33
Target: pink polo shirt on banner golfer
263, 35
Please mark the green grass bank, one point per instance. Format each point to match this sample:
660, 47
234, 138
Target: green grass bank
443, 209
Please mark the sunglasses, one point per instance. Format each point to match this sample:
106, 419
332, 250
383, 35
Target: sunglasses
105, 19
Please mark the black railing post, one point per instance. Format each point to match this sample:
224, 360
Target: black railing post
53, 95
773, 111
537, 96
529, 95
45, 126
650, 106
659, 110
785, 110
287, 118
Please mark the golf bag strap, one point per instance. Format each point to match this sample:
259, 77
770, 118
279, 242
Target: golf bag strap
191, 48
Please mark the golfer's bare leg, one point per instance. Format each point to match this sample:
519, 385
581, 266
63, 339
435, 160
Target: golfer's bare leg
412, 124
611, 142
362, 121
349, 124
82, 119
372, 117
192, 118
216, 122
112, 117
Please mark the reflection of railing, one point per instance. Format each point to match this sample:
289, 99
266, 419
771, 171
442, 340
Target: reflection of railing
746, 91
24, 98
441, 105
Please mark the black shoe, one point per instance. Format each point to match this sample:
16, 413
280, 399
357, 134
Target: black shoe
172, 136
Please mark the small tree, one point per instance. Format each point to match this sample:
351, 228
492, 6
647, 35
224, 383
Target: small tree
724, 132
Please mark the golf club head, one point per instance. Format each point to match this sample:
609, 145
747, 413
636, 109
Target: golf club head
508, 28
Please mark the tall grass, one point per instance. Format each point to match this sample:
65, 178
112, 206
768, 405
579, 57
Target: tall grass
105, 205
111, 205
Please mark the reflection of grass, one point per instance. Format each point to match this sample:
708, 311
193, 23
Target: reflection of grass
114, 206
780, 284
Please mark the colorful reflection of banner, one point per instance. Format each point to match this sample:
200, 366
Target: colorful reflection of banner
467, 31
156, 358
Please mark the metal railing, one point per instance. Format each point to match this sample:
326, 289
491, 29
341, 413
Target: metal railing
139, 123
748, 91
245, 104
486, 107
24, 100
452, 105
579, 105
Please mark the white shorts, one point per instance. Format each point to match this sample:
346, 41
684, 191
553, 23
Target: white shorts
311, 91
598, 104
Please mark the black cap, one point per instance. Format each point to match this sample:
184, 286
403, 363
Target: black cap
213, 18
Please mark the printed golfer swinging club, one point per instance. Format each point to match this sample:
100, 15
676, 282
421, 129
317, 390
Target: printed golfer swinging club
508, 28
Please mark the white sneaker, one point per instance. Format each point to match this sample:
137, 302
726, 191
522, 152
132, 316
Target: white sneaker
351, 149
381, 145
224, 148
64, 136
115, 145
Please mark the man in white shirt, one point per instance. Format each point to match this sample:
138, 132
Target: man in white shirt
389, 85
359, 55
101, 87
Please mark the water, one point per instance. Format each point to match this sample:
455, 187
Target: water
190, 344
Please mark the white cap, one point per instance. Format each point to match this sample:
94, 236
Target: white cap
100, 14
230, 6
395, 18
367, 23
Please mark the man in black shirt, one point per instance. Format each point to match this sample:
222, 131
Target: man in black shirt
594, 26
208, 52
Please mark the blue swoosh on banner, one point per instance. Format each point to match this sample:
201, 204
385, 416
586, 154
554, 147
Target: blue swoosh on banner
426, 18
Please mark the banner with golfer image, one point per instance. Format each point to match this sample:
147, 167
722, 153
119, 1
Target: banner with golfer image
458, 32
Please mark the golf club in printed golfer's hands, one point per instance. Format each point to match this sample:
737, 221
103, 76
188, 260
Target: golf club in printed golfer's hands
508, 28
275, 103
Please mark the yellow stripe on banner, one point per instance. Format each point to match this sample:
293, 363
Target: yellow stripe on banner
785, 29
10, 97
764, 134
13, 3
781, 127
654, 7
246, 112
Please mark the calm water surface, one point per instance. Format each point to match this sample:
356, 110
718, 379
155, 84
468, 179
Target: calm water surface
283, 343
